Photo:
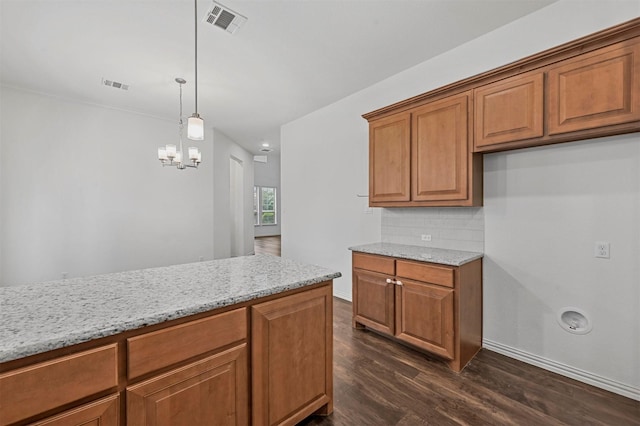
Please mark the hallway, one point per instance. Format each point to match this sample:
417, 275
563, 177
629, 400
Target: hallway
268, 245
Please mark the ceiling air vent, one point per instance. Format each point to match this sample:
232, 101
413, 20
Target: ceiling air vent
115, 84
224, 18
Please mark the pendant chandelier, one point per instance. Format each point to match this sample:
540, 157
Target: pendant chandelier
172, 155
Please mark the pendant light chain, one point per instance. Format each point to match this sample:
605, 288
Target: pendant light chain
195, 20
181, 102
180, 123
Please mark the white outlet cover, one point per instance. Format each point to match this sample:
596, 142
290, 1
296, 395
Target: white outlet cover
601, 249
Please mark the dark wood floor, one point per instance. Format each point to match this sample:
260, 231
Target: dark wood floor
267, 245
380, 382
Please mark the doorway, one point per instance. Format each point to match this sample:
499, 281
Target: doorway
236, 205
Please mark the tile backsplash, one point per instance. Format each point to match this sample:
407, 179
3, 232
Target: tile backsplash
457, 228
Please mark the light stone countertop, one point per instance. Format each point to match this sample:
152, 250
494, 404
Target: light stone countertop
40, 317
423, 254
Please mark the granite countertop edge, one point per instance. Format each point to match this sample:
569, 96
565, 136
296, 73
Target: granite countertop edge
15, 350
418, 253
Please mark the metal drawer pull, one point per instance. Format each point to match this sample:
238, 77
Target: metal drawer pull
398, 282
390, 281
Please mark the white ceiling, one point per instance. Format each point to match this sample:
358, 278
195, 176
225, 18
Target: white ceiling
289, 59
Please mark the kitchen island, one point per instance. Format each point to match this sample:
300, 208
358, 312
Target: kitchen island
170, 345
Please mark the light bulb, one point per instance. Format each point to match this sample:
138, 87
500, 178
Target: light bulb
171, 151
195, 127
162, 154
193, 153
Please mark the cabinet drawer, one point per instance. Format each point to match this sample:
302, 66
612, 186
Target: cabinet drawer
440, 275
35, 389
163, 348
371, 262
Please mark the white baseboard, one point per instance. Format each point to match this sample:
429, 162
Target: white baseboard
564, 370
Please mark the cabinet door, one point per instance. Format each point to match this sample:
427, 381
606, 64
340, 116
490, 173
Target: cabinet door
596, 89
103, 413
424, 317
373, 300
509, 110
389, 159
291, 357
213, 391
440, 151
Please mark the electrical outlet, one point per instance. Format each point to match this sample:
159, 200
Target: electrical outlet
426, 237
602, 249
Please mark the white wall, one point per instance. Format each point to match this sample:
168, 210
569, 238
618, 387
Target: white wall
223, 149
324, 162
544, 210
83, 192
268, 174
324, 166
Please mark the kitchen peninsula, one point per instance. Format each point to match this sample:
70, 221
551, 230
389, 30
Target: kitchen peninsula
184, 344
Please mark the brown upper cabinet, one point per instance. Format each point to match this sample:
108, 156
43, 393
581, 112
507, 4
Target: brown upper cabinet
597, 89
440, 150
589, 95
422, 157
426, 150
509, 110
389, 159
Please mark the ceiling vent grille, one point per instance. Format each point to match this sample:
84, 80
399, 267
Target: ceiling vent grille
224, 18
115, 84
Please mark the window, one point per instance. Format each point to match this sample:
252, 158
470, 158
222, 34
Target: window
256, 221
264, 205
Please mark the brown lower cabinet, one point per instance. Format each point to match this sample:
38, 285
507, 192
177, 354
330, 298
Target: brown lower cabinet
435, 308
213, 391
292, 345
104, 412
263, 362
